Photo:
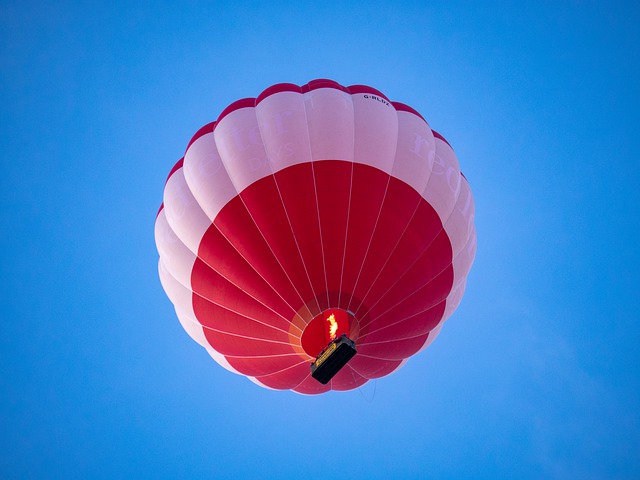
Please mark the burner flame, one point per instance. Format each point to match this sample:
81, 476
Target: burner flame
334, 326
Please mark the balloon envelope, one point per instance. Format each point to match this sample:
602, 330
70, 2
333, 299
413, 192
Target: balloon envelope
309, 212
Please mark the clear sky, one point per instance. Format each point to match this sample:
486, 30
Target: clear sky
537, 375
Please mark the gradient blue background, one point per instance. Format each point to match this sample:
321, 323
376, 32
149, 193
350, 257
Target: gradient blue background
535, 376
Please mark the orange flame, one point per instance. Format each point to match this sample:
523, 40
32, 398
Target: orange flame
334, 326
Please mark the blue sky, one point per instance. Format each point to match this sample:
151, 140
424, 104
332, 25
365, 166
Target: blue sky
535, 376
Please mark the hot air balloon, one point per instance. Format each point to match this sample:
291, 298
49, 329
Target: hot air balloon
312, 224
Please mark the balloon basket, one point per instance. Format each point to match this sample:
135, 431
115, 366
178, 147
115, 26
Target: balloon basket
333, 358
